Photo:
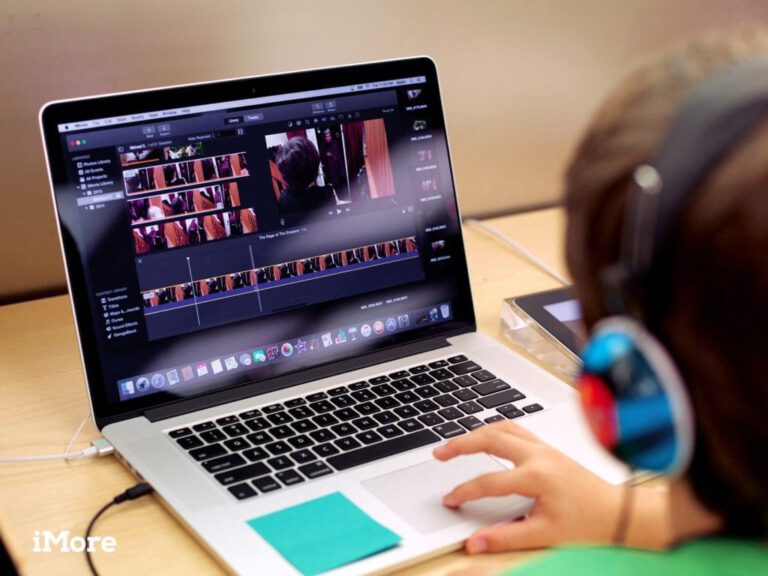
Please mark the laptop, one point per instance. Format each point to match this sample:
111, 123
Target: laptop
272, 303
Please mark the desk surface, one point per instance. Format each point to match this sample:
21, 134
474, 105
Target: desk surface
44, 400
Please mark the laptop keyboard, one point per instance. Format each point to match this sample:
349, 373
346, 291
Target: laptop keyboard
283, 444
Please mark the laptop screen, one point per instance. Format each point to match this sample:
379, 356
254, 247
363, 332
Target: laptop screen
224, 234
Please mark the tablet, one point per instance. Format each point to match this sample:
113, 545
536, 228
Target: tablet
558, 314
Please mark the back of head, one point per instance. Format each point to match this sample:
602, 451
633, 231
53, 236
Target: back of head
716, 326
298, 161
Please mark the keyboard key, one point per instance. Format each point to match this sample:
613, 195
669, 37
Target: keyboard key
438, 364
365, 423
304, 456
406, 411
387, 403
407, 397
237, 444
189, 442
347, 443
399, 374
344, 429
227, 420
411, 425
257, 424
383, 449
457, 359
464, 368
234, 430
483, 376
470, 407
247, 415
206, 452
494, 418
383, 390
531, 408
446, 400
322, 435
358, 385
367, 408
441, 374
505, 397
369, 437
179, 432
280, 462
490, 387
346, 414
280, 418
243, 473
510, 411
427, 392
223, 463
322, 406
315, 470
470, 422
379, 380
293, 402
403, 384
203, 426
465, 381
300, 442
325, 420
259, 438
426, 406
465, 394
255, 454
338, 391
214, 435
304, 426
266, 484
273, 408
431, 419
363, 395
278, 448
283, 431
317, 396
389, 431
451, 413
343, 401
446, 386
419, 369
301, 412
385, 417
242, 491
449, 430
289, 477
422, 379
325, 450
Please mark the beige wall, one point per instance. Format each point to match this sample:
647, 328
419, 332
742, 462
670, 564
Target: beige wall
519, 78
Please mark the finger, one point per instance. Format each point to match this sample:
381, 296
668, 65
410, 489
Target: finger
516, 481
516, 429
530, 532
492, 440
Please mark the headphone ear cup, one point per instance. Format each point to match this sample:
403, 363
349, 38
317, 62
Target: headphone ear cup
634, 398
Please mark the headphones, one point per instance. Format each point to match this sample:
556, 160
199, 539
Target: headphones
632, 393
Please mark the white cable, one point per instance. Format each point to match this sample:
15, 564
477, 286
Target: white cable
521, 250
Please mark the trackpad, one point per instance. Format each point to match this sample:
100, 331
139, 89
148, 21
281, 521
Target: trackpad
416, 493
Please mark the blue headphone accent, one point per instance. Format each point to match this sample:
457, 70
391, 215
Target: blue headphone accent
632, 393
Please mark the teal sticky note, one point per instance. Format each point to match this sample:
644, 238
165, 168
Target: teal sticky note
323, 534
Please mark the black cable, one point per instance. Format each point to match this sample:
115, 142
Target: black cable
141, 489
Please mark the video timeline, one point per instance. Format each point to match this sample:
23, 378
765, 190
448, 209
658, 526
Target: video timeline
247, 281
209, 369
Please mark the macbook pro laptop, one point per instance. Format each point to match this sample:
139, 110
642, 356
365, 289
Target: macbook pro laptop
272, 302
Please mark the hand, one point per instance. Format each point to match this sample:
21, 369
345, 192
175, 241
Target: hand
572, 504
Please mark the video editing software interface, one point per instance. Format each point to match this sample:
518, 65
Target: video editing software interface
246, 239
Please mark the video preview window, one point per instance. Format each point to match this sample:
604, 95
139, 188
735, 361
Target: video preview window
322, 168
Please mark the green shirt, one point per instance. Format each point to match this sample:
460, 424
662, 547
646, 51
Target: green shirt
707, 556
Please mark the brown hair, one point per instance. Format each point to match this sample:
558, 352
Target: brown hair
716, 328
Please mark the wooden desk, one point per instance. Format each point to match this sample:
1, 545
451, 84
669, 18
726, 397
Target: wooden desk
44, 400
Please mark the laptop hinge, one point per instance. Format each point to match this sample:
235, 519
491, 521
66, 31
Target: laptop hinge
182, 407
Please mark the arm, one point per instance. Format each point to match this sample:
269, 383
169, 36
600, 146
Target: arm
572, 504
